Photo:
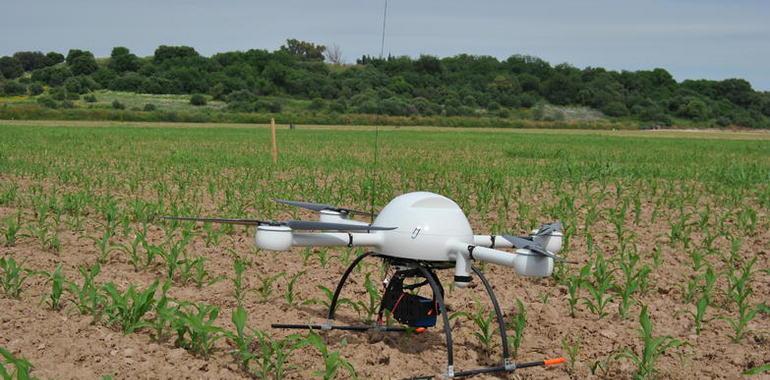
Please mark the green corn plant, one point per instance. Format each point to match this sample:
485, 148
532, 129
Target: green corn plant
704, 301
127, 309
104, 245
14, 368
194, 325
307, 253
174, 257
484, 320
265, 288
165, 313
87, 297
328, 294
765, 368
739, 292
571, 345
333, 361
242, 339
132, 250
653, 347
323, 257
598, 284
13, 277
574, 283
290, 294
371, 306
212, 235
518, 323
11, 230
239, 287
634, 280
57, 288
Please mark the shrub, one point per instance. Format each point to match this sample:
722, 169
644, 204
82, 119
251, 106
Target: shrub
149, 107
46, 101
316, 105
118, 105
90, 98
13, 88
198, 100
36, 89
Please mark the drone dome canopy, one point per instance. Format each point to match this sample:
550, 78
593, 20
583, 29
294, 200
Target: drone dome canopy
425, 222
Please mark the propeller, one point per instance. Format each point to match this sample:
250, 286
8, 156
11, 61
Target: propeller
323, 206
300, 225
536, 242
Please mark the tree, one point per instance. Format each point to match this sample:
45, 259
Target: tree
304, 50
31, 60
54, 58
121, 60
164, 53
11, 68
334, 55
81, 62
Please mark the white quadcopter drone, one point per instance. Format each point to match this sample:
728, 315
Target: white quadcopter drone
416, 233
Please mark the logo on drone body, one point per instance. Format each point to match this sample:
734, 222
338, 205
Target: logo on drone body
415, 232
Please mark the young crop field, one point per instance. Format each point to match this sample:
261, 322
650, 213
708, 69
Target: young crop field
667, 235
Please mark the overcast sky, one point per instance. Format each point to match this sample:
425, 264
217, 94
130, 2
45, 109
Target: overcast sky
690, 38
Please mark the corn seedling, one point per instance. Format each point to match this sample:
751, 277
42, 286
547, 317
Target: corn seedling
88, 299
571, 345
11, 230
290, 294
739, 292
13, 277
239, 287
518, 323
372, 304
127, 309
165, 313
598, 285
14, 368
653, 347
704, 301
194, 325
265, 288
634, 280
57, 288
328, 294
333, 361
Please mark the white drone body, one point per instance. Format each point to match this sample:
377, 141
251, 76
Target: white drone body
425, 227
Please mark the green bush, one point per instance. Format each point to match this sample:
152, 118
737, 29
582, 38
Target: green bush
149, 107
36, 89
198, 100
90, 98
118, 105
47, 101
13, 88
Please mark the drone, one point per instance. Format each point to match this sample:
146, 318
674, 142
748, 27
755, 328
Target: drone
416, 234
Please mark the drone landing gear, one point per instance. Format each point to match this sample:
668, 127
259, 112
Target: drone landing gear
425, 271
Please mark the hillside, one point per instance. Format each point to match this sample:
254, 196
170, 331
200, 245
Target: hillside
300, 82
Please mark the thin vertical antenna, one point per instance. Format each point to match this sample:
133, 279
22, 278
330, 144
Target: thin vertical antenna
374, 173
384, 19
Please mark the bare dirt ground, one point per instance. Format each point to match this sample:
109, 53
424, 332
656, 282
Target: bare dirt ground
67, 345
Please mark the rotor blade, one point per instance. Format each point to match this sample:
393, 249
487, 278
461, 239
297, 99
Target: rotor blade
312, 225
306, 205
524, 243
322, 206
549, 228
247, 222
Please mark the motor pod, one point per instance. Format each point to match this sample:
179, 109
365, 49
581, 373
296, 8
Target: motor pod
331, 216
462, 270
274, 238
528, 263
552, 241
524, 261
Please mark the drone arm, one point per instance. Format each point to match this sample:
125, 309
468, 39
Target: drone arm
491, 241
335, 239
523, 261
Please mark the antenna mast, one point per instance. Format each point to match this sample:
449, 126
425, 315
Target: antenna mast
384, 19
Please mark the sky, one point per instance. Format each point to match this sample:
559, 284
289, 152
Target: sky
692, 39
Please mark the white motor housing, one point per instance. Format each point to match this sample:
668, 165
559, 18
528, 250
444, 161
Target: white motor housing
274, 238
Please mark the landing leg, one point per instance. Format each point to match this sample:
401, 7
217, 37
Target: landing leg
496, 306
442, 307
333, 304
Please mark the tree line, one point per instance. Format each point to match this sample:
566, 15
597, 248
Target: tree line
462, 85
